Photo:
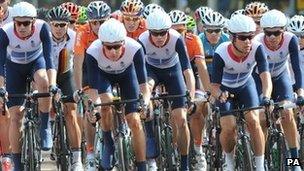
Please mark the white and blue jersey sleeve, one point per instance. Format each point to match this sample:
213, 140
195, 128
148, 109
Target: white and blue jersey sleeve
170, 54
231, 72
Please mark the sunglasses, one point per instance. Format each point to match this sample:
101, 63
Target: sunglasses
1, 1
24, 23
275, 33
257, 22
244, 37
115, 47
72, 21
61, 25
134, 19
158, 33
213, 31
97, 22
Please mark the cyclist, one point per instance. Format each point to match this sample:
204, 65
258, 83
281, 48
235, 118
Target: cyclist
296, 26
197, 59
5, 17
255, 10
98, 12
26, 51
5, 14
74, 10
213, 35
200, 13
233, 63
132, 17
63, 40
278, 45
167, 61
116, 58
150, 8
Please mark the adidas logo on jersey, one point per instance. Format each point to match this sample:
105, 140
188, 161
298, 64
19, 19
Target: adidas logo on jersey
18, 47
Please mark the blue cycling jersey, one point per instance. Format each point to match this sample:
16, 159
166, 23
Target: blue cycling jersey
210, 49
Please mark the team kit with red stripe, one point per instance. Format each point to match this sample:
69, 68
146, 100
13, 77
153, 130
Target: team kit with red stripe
207, 65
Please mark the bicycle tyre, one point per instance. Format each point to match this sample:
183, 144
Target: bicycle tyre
64, 153
169, 153
248, 160
120, 152
282, 149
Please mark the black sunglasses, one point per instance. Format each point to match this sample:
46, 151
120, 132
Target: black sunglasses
60, 25
24, 23
115, 47
95, 22
213, 30
275, 33
257, 22
158, 33
1, 1
244, 37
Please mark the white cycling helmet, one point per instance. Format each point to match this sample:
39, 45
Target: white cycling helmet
201, 12
150, 8
112, 31
240, 11
241, 24
158, 20
296, 24
273, 18
214, 19
24, 9
178, 17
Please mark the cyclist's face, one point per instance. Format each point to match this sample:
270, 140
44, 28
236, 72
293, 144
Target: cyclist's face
95, 24
257, 23
4, 4
131, 22
213, 34
244, 42
113, 51
181, 28
23, 26
59, 29
159, 38
274, 35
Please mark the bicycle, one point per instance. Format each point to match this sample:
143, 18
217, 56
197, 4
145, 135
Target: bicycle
276, 149
168, 155
122, 137
243, 153
61, 151
31, 151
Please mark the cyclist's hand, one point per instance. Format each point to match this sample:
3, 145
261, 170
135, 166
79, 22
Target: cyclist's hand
91, 116
76, 95
300, 101
266, 102
3, 95
55, 92
223, 96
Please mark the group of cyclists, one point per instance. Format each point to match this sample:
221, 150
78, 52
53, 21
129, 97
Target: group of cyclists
256, 55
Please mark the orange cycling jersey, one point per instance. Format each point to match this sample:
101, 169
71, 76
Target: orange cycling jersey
194, 46
85, 36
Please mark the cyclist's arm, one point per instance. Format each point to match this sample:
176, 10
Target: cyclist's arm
141, 73
3, 53
186, 67
200, 62
217, 74
78, 60
93, 78
296, 65
47, 53
263, 68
